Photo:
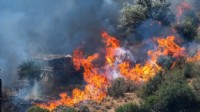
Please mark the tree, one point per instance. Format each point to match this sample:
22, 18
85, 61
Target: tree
132, 15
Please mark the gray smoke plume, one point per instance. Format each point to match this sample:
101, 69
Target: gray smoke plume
50, 26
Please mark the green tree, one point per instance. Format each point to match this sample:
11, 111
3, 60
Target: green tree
132, 15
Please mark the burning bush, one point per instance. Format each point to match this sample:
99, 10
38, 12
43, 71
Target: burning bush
37, 109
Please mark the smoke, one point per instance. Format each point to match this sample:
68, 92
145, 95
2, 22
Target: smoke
42, 27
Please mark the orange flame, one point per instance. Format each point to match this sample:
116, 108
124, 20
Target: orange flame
111, 44
144, 73
97, 77
196, 57
180, 10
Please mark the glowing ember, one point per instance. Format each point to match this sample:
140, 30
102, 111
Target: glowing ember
97, 77
180, 10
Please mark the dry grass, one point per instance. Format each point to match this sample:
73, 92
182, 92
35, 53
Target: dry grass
109, 103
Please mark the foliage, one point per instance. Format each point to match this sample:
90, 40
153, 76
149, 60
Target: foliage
196, 87
165, 62
132, 15
29, 70
173, 97
188, 28
158, 10
192, 69
84, 109
152, 85
64, 109
129, 107
37, 109
130, 86
118, 88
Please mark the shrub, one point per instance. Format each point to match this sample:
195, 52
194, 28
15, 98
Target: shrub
84, 109
173, 97
196, 87
118, 88
37, 109
64, 109
131, 86
192, 69
152, 85
188, 28
165, 62
129, 107
69, 110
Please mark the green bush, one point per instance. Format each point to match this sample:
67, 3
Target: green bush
129, 107
196, 87
118, 88
37, 109
152, 85
165, 62
188, 28
84, 109
174, 97
64, 109
192, 69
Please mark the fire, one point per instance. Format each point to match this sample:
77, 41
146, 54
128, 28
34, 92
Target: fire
97, 77
94, 90
196, 57
111, 44
150, 68
180, 10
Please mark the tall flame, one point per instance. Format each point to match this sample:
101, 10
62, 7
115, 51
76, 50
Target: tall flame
97, 77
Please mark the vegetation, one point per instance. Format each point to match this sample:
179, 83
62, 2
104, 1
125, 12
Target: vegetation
171, 98
36, 109
118, 88
64, 109
29, 70
130, 107
132, 15
84, 109
188, 29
